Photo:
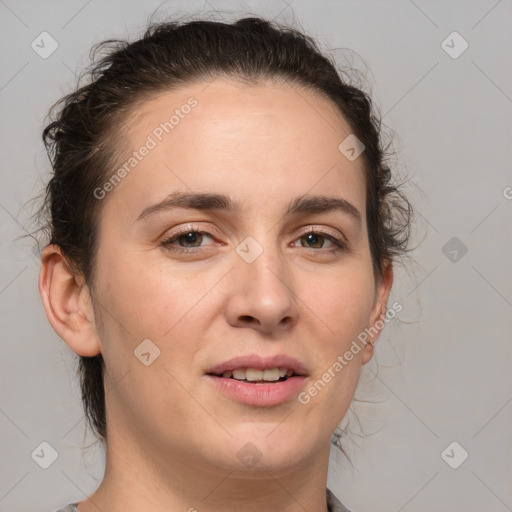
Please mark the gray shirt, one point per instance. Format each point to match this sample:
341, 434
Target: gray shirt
333, 505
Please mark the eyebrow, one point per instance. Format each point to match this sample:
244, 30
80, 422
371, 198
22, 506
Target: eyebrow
210, 202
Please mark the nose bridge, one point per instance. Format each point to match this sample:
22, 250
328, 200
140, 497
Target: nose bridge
261, 253
263, 290
263, 263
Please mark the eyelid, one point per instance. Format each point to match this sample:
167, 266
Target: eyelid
187, 228
182, 230
323, 231
338, 238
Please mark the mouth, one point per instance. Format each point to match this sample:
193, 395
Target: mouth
257, 381
256, 376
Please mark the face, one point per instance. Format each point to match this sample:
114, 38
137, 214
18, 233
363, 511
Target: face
253, 279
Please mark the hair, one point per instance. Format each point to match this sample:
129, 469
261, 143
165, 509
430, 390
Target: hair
80, 136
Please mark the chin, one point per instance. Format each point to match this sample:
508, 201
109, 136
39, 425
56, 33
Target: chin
260, 449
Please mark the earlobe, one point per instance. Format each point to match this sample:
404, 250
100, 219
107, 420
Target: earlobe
378, 313
69, 314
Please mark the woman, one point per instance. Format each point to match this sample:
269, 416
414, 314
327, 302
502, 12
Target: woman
222, 229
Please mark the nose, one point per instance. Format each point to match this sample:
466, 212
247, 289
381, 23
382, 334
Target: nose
262, 296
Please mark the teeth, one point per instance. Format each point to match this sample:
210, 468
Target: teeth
239, 374
271, 374
254, 375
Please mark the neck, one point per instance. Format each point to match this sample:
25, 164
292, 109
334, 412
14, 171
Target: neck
140, 477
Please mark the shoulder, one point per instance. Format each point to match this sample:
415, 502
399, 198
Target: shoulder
71, 507
333, 504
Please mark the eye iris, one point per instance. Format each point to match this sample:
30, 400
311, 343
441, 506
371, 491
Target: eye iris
191, 237
195, 238
313, 238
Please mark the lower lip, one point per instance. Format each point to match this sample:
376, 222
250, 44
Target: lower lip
260, 395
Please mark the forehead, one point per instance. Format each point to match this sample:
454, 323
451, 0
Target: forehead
248, 140
229, 110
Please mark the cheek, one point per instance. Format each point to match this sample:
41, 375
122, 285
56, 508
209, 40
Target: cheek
172, 304
141, 301
151, 296
165, 301
342, 304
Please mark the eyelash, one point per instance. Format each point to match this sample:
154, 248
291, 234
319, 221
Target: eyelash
168, 242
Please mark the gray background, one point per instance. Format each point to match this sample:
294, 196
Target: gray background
443, 368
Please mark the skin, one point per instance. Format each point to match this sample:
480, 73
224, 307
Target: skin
172, 437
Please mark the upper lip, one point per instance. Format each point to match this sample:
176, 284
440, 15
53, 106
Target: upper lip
260, 363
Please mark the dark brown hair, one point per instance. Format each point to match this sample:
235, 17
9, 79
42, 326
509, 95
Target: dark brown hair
84, 124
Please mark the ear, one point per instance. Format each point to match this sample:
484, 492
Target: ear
67, 303
378, 313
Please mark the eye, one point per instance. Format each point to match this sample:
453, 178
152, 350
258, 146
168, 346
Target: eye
189, 240
186, 240
315, 240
